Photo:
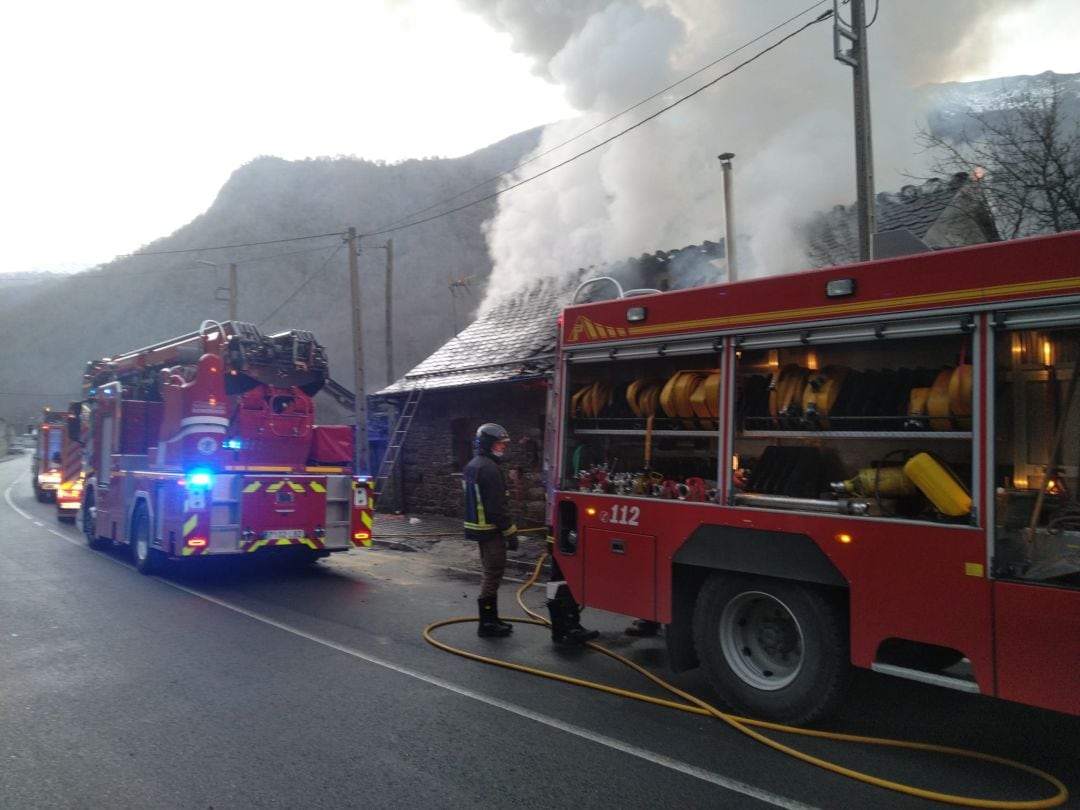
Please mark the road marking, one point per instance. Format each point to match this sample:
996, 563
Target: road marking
734, 785
552, 722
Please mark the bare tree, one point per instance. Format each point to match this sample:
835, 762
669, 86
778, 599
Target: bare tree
1026, 158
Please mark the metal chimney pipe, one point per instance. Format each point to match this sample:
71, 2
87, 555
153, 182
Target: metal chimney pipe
729, 216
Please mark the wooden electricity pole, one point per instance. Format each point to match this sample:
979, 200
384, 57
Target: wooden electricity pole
389, 311
234, 293
361, 452
856, 58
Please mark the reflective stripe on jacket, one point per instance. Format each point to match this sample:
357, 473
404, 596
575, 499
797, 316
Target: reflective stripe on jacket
487, 507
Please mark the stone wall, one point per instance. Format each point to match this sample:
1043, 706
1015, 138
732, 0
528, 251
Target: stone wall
439, 441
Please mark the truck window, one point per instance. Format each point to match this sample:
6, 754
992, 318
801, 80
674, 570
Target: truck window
1037, 455
53, 452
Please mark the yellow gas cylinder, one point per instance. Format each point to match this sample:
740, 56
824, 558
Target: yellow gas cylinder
883, 482
938, 483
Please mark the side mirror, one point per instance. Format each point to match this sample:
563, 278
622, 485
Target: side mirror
73, 427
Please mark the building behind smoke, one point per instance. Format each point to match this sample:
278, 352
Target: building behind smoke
940, 213
500, 367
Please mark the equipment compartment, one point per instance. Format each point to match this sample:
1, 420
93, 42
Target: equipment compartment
647, 427
834, 422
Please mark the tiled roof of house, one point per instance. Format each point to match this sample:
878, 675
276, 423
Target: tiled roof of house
832, 237
514, 340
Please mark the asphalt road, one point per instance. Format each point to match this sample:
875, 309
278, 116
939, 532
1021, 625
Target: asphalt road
257, 686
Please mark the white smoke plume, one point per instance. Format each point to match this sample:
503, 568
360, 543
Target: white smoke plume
787, 117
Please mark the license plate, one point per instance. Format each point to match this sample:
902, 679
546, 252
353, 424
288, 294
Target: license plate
284, 534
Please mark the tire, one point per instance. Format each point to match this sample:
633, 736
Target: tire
772, 649
39, 493
89, 524
147, 559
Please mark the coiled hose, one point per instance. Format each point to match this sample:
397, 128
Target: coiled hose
747, 725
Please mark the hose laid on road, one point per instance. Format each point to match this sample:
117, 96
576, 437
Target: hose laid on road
744, 724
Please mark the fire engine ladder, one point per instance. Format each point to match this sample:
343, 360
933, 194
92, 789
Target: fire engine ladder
397, 439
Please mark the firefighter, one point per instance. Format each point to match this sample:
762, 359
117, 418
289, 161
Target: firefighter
488, 521
564, 610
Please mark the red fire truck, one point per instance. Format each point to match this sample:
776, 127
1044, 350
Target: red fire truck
69, 489
45, 464
207, 445
872, 465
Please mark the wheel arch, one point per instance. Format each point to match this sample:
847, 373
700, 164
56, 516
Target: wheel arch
714, 549
140, 496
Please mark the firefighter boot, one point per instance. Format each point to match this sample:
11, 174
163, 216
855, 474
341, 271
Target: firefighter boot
490, 625
566, 620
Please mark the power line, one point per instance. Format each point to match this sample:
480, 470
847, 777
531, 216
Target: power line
821, 18
303, 284
393, 225
85, 275
227, 247
407, 222
603, 123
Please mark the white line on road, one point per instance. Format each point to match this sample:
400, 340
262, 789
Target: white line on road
733, 785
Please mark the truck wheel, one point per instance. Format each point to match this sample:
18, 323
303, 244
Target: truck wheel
772, 649
147, 560
39, 493
89, 525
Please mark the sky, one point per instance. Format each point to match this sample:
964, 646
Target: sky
122, 120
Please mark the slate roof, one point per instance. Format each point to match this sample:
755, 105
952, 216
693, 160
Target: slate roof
832, 237
514, 340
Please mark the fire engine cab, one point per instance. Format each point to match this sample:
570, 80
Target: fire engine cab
45, 464
873, 465
207, 445
70, 487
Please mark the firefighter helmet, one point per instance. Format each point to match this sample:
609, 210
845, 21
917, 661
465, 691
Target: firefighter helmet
489, 433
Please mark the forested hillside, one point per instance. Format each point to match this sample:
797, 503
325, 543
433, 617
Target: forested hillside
50, 327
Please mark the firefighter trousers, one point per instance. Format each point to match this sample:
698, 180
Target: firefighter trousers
493, 564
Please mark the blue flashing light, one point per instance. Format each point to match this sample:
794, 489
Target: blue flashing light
200, 478
232, 444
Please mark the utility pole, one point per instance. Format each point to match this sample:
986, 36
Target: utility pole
729, 216
231, 290
389, 287
389, 311
234, 293
361, 451
855, 36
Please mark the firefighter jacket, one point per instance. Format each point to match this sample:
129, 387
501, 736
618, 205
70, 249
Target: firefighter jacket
487, 505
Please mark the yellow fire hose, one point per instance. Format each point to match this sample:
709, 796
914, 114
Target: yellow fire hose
744, 724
